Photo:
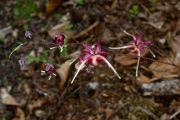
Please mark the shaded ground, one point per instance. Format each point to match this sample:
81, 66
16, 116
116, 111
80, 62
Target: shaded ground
34, 97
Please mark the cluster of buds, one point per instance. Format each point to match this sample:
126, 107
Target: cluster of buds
138, 46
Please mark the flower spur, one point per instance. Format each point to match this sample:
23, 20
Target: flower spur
92, 55
138, 46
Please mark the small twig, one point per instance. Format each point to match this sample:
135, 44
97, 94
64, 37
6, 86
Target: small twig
174, 115
85, 31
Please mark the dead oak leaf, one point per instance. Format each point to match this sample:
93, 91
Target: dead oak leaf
125, 60
161, 68
129, 58
63, 72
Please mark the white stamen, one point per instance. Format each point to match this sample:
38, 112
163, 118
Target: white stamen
109, 65
42, 71
78, 70
124, 47
129, 34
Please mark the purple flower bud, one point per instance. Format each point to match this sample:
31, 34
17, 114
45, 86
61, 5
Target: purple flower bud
21, 62
59, 39
28, 34
49, 68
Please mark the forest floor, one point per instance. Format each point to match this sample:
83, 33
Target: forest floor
27, 94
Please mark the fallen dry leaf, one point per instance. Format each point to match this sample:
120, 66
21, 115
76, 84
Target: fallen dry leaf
61, 28
52, 5
63, 72
19, 114
126, 60
161, 69
175, 43
143, 79
129, 58
7, 99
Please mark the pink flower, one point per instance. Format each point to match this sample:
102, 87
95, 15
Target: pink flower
59, 41
49, 69
92, 55
137, 45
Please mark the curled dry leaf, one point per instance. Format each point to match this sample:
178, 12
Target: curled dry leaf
7, 99
63, 72
19, 114
52, 5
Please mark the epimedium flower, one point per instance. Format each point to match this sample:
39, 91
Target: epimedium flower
59, 41
138, 46
92, 55
49, 69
